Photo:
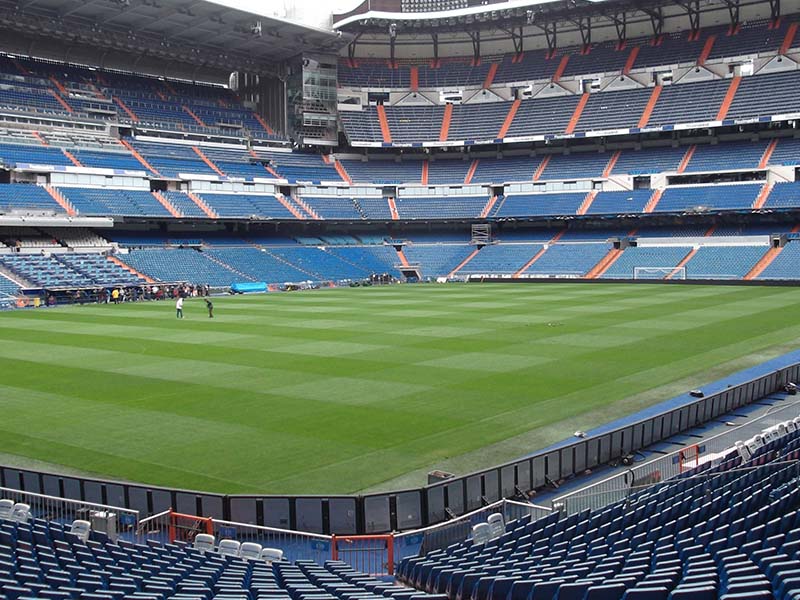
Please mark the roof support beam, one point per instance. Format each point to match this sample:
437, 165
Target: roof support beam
656, 20
351, 47
585, 29
551, 34
692, 8
775, 9
435, 41
621, 25
475, 37
733, 12
516, 38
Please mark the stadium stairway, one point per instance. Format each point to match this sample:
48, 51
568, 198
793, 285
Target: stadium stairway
682, 264
539, 254
762, 264
464, 262
209, 212
446, 119
130, 269
208, 161
139, 157
167, 205
609, 259
61, 200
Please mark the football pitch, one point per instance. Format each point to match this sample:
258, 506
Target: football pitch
349, 390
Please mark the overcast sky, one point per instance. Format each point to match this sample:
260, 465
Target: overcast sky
308, 12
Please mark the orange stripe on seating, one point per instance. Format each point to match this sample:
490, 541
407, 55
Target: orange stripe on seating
611, 162
40, 138
194, 116
61, 200
385, 131
604, 264
210, 213
60, 100
767, 154
576, 114
342, 171
127, 110
130, 269
762, 264
561, 67
686, 158
488, 207
413, 73
542, 166
707, 47
72, 158
587, 202
402, 257
651, 204
445, 129
682, 264
631, 60
171, 209
788, 40
393, 210
512, 110
139, 157
290, 207
651, 104
464, 262
471, 172
729, 96
207, 160
263, 123
487, 83
424, 177
763, 195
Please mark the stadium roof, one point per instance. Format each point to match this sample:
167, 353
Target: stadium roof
202, 34
374, 16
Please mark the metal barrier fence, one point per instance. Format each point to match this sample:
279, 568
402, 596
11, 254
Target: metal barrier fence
63, 510
409, 509
654, 472
370, 554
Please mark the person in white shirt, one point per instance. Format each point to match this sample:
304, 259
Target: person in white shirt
179, 307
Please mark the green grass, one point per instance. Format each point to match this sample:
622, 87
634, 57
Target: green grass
346, 390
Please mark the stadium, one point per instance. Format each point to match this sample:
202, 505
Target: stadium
399, 299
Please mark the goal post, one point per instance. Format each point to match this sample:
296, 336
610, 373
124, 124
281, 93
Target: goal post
659, 272
370, 554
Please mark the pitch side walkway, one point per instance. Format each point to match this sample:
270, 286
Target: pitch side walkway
694, 436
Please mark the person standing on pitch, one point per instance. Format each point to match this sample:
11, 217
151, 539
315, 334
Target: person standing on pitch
179, 307
210, 307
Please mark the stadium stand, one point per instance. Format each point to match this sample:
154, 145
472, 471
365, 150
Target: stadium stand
726, 529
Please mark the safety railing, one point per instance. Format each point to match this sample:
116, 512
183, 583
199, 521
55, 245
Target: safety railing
421, 541
114, 520
296, 545
653, 472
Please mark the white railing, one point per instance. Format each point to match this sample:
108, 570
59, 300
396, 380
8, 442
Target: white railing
621, 485
62, 510
295, 544
459, 529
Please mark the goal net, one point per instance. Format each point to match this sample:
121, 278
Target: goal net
659, 272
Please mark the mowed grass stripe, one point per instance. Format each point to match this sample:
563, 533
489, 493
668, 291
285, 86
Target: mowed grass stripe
339, 390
